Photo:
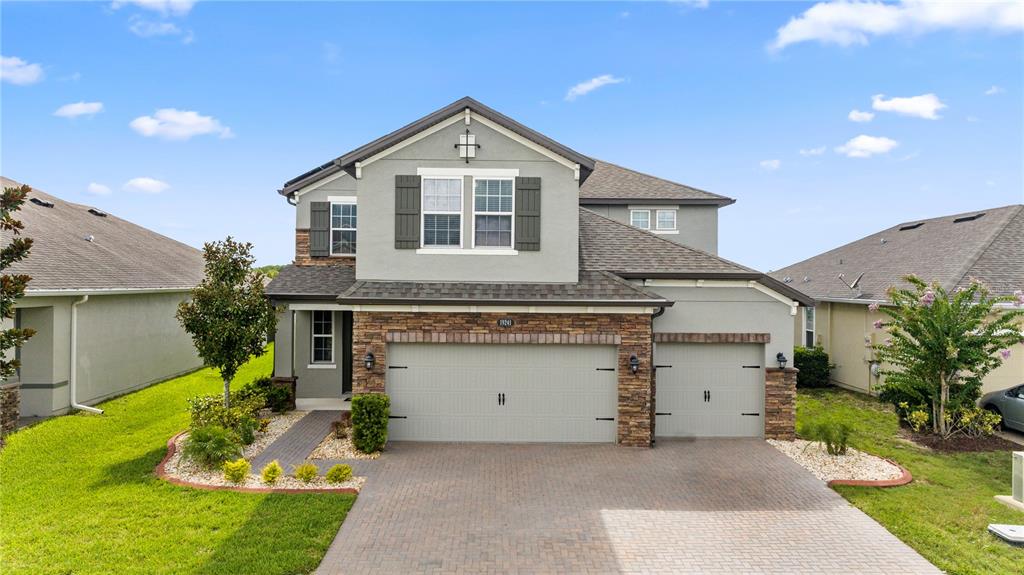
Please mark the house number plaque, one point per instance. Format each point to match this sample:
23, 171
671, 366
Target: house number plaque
506, 322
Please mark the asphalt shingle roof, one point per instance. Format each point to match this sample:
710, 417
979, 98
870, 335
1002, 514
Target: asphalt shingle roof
121, 254
989, 248
611, 182
311, 282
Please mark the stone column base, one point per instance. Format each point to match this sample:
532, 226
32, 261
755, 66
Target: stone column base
780, 403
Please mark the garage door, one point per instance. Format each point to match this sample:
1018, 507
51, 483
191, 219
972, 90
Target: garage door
709, 390
502, 393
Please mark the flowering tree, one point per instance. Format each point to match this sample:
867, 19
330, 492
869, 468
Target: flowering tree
938, 340
12, 286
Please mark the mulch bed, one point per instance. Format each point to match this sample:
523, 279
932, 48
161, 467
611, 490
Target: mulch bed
959, 443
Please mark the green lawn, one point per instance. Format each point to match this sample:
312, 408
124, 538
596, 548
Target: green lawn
944, 513
78, 495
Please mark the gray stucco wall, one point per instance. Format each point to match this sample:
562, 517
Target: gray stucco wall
283, 343
377, 258
728, 309
124, 342
697, 225
320, 381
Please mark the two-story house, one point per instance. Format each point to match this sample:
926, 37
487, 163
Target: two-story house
465, 265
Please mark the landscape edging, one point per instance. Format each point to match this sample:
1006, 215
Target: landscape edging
903, 479
172, 448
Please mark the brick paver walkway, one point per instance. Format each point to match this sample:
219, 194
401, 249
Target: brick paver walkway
295, 445
704, 506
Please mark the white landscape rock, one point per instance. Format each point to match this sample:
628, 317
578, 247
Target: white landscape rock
855, 465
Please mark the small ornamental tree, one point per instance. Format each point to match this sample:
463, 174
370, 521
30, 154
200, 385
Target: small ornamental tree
939, 340
228, 317
12, 286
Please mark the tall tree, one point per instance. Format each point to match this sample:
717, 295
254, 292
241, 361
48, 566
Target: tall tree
12, 286
228, 316
939, 340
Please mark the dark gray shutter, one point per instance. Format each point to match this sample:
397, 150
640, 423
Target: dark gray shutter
528, 214
407, 212
319, 229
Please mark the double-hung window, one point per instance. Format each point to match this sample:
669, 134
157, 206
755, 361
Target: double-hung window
323, 336
640, 219
343, 228
492, 213
442, 212
808, 327
666, 220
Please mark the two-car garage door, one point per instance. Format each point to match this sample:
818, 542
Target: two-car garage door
502, 393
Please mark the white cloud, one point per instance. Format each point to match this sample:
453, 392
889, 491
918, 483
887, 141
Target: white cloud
164, 7
973, 119
98, 189
866, 146
692, 3
148, 29
584, 88
79, 109
146, 185
172, 124
858, 116
848, 23
770, 165
813, 151
17, 71
994, 90
924, 106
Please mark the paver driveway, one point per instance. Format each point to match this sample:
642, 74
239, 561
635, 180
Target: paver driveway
705, 506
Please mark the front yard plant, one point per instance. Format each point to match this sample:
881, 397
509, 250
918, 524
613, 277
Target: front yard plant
815, 368
98, 507
211, 445
236, 471
833, 434
271, 472
339, 473
305, 472
370, 413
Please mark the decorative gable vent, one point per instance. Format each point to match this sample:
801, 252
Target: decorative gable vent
911, 226
96, 212
40, 202
968, 218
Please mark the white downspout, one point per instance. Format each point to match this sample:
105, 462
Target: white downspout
73, 375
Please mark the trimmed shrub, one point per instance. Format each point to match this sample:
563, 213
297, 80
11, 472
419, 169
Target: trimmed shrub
236, 471
909, 396
271, 472
834, 434
370, 421
207, 410
211, 445
813, 365
275, 397
247, 426
340, 473
305, 472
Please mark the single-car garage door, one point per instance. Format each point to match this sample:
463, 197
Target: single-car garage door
709, 390
502, 393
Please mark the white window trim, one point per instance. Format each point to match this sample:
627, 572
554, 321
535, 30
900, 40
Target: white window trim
467, 252
631, 212
460, 213
511, 214
343, 200
312, 337
657, 220
814, 327
665, 232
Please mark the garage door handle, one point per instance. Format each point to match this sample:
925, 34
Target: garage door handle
751, 367
754, 414
663, 413
398, 417
606, 369
604, 418
398, 367
661, 366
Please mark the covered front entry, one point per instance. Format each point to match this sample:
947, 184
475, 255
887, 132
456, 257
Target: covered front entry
502, 393
709, 390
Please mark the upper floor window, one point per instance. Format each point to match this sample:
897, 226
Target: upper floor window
640, 219
666, 219
323, 336
442, 212
808, 327
343, 228
492, 212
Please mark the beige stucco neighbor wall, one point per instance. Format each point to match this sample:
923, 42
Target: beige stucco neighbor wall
846, 330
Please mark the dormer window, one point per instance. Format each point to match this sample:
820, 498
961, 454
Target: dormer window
640, 219
492, 212
666, 220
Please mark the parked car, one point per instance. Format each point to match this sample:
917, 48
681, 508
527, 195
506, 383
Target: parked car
1008, 403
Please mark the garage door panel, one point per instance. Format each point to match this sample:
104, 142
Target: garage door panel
554, 393
708, 388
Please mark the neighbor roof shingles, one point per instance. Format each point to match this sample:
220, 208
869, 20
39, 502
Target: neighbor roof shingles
611, 182
122, 255
990, 248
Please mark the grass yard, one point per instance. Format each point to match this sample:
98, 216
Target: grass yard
944, 513
78, 495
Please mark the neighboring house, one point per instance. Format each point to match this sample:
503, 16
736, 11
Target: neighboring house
450, 265
987, 245
102, 300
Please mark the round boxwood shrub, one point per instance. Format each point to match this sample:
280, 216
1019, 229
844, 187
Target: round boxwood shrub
814, 367
340, 473
305, 472
370, 421
271, 472
236, 471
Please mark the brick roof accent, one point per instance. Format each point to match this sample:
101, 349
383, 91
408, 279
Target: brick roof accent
989, 248
610, 182
311, 282
121, 255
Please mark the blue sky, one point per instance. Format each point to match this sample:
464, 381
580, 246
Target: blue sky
735, 98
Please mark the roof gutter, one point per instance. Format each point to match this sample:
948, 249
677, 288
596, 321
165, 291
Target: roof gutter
73, 368
479, 302
759, 277
102, 291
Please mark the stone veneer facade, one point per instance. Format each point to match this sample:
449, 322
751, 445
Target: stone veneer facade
780, 403
371, 331
10, 408
302, 257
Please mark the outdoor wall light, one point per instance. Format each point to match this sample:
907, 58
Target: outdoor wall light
634, 363
369, 360
781, 358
